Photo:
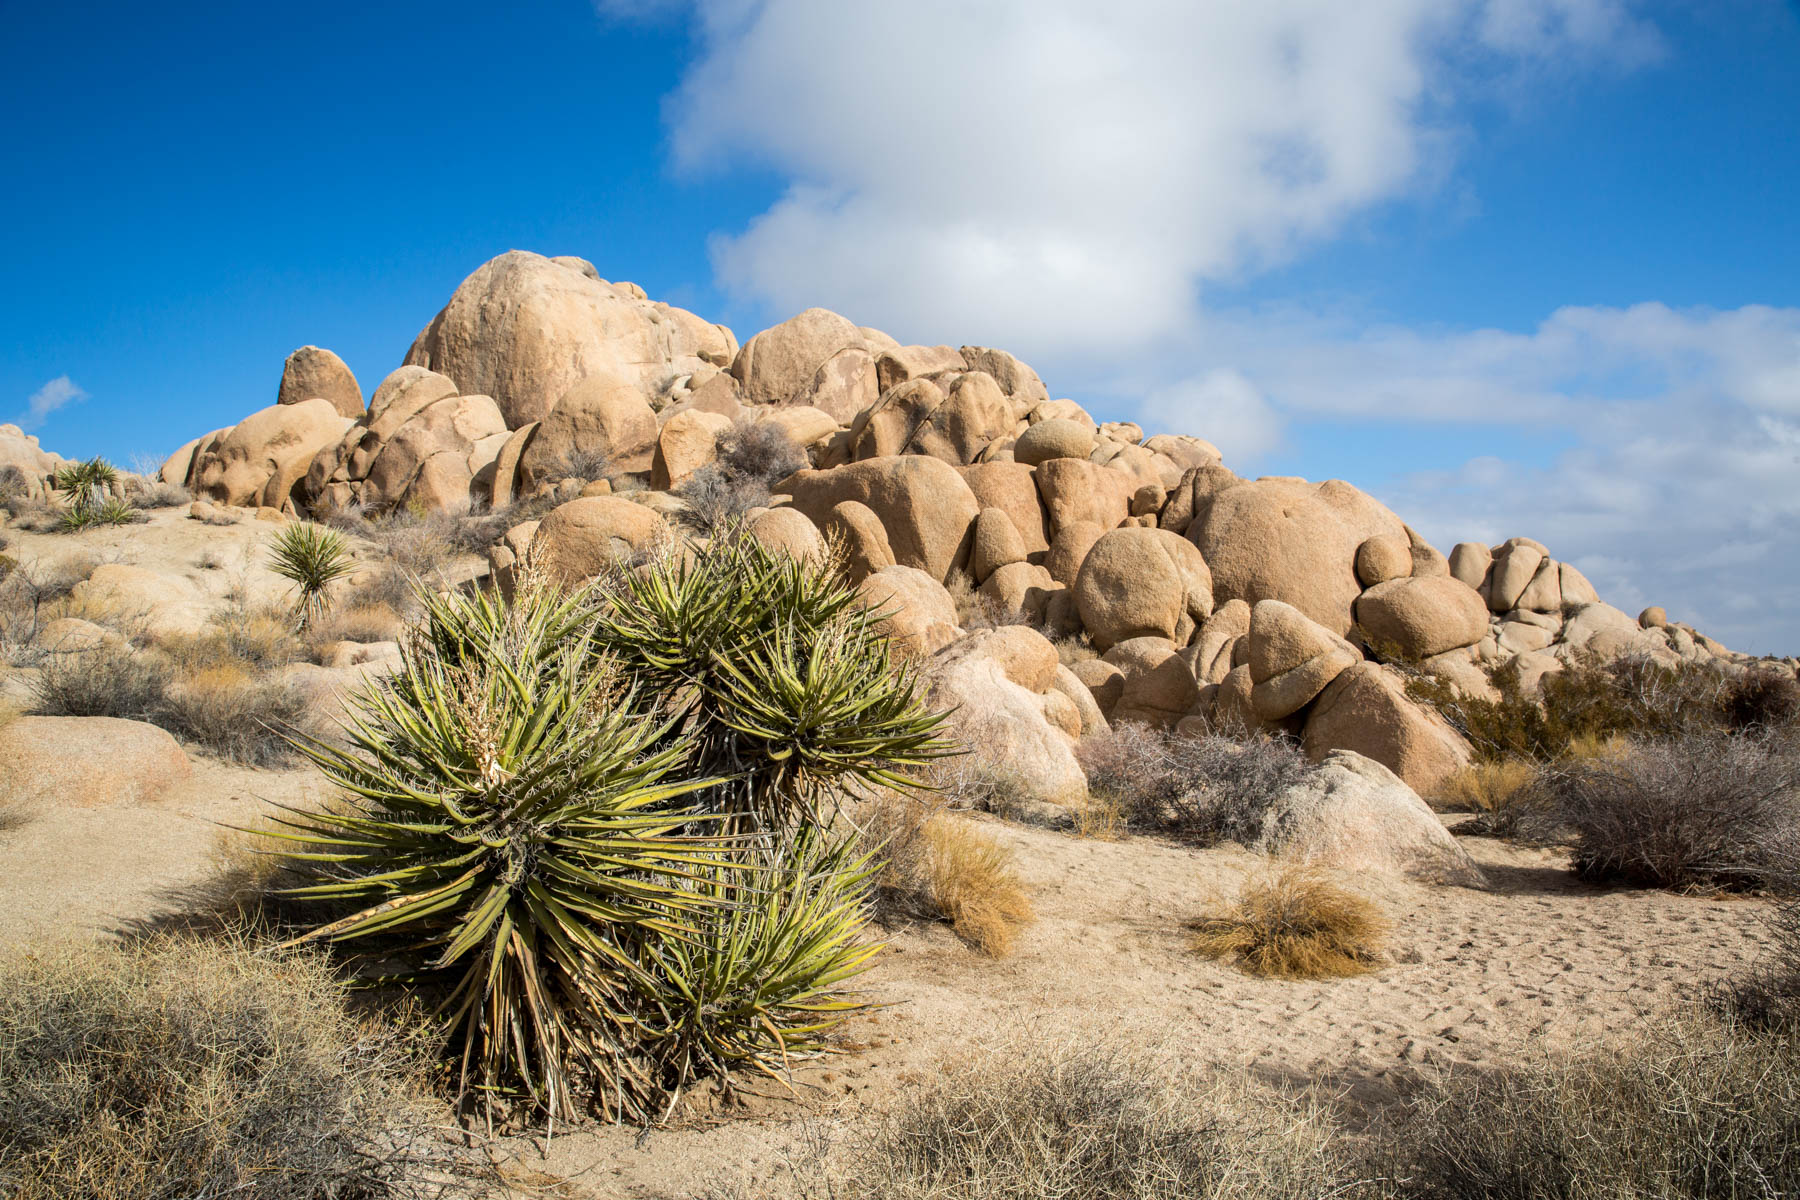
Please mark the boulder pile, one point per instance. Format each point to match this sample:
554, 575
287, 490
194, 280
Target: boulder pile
1212, 601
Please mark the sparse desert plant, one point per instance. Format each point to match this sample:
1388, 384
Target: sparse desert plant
585, 465
148, 491
1201, 789
1041, 1118
357, 623
1498, 793
1689, 1106
14, 484
239, 636
715, 503
312, 557
86, 482
759, 450
237, 714
1295, 924
175, 1069
107, 680
1698, 810
935, 866
1767, 996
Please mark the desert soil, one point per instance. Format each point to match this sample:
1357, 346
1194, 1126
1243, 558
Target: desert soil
1476, 977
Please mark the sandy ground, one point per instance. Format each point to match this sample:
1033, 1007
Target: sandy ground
1477, 977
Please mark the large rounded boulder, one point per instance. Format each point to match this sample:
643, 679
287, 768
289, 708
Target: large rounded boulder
1140, 582
266, 454
922, 503
1293, 541
1423, 617
313, 371
605, 416
594, 534
783, 362
525, 329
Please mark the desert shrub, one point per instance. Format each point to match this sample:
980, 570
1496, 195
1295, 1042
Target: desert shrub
475, 531
237, 714
30, 594
108, 680
178, 1069
585, 465
935, 867
1767, 996
1295, 924
238, 636
14, 484
716, 503
1200, 789
1698, 810
760, 451
148, 491
586, 822
1632, 696
1030, 1121
1498, 793
359, 623
1692, 1106
110, 511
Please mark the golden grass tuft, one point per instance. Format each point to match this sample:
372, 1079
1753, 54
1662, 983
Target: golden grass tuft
1484, 787
939, 867
374, 622
1297, 924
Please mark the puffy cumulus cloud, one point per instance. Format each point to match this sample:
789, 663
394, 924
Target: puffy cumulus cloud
46, 400
1681, 428
1056, 175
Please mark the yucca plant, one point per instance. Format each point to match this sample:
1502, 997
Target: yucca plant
86, 482
760, 983
312, 557
778, 675
511, 830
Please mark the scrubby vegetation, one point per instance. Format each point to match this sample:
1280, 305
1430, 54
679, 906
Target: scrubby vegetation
312, 558
938, 867
178, 1069
752, 457
1200, 789
1295, 924
596, 826
1056, 1120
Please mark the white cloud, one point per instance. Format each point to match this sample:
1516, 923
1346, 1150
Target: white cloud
46, 400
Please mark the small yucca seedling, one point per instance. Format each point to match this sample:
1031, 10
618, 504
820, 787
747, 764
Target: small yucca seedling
313, 557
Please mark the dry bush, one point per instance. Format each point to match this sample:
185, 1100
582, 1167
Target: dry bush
585, 465
356, 623
1030, 1121
1631, 696
251, 639
237, 715
1297, 924
1767, 997
1201, 789
1699, 810
109, 680
1692, 1106
32, 594
717, 503
939, 867
761, 451
1496, 792
177, 1069
150, 492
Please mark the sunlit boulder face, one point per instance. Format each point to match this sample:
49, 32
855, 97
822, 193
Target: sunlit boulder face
525, 329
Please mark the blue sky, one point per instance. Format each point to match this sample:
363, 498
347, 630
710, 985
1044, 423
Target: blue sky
1516, 266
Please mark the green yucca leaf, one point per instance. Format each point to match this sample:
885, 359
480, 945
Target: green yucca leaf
313, 558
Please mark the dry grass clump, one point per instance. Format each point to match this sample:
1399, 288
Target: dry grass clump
1297, 924
1493, 791
752, 457
238, 715
1692, 1106
1030, 1122
1767, 997
1699, 810
1201, 789
32, 594
940, 867
146, 491
258, 639
176, 1069
108, 680
359, 623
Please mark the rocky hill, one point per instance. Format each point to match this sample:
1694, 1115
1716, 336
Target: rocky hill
961, 494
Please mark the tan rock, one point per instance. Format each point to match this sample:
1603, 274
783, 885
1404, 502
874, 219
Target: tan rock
1070, 551
1012, 488
1514, 569
1051, 410
1160, 696
1291, 659
1142, 583
1423, 616
1354, 814
1025, 656
685, 443
1469, 562
996, 543
1058, 437
603, 414
1104, 681
312, 372
1193, 495
88, 762
526, 329
431, 461
854, 527
844, 385
1288, 540
1366, 709
263, 456
1383, 557
1020, 588
1184, 451
917, 612
1654, 617
1006, 730
895, 365
591, 535
1021, 384
1073, 490
1210, 654
1090, 720
789, 531
1544, 593
1575, 586
922, 503
1427, 561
